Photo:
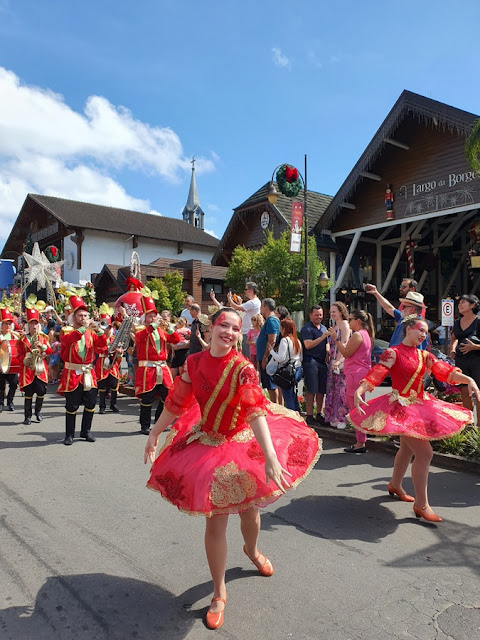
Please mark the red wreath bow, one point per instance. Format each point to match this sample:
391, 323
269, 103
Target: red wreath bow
134, 283
291, 174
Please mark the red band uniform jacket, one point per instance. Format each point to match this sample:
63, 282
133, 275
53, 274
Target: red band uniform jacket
147, 351
69, 353
24, 347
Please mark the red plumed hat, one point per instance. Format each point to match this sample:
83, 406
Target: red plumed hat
148, 304
77, 303
33, 314
6, 315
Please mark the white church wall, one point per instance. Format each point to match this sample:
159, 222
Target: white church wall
101, 248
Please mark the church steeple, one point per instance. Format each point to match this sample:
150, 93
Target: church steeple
192, 212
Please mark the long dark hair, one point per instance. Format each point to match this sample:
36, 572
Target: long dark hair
366, 320
471, 299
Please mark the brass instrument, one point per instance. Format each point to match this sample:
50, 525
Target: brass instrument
5, 356
121, 340
34, 360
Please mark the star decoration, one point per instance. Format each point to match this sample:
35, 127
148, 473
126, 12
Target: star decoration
41, 270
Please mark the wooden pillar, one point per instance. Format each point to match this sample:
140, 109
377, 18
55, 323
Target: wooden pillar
78, 239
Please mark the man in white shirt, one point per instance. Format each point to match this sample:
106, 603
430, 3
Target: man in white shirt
250, 308
186, 312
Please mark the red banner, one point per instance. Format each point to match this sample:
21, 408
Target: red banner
296, 229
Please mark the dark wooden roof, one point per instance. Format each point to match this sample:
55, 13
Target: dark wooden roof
316, 206
84, 215
428, 112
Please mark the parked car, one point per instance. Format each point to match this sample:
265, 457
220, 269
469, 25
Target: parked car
379, 347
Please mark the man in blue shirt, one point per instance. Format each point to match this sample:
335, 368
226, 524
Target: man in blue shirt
314, 339
412, 303
266, 341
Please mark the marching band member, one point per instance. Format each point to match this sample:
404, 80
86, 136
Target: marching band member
9, 364
78, 382
32, 349
153, 376
108, 373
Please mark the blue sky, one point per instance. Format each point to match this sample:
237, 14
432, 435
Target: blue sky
107, 101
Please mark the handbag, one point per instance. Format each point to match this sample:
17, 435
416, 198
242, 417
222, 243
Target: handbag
284, 377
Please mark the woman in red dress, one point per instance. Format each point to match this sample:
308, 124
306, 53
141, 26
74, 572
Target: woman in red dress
410, 413
225, 450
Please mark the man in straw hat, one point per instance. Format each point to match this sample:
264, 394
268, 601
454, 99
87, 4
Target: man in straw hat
153, 376
412, 304
78, 383
9, 364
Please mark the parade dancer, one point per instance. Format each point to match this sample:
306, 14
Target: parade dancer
9, 364
153, 376
230, 450
411, 413
78, 381
32, 349
107, 367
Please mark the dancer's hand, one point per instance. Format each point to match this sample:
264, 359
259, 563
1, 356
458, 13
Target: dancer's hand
274, 471
473, 390
150, 449
358, 401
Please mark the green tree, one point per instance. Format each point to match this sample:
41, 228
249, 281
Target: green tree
174, 281
170, 294
278, 273
472, 147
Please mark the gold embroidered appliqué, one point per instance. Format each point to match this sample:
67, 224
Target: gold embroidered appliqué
231, 485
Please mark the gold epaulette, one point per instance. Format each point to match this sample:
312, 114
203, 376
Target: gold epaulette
66, 329
139, 327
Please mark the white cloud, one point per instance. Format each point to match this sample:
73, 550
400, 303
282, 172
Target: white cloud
212, 233
46, 147
280, 59
212, 207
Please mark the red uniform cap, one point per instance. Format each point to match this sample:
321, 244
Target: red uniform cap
6, 315
32, 314
148, 304
77, 303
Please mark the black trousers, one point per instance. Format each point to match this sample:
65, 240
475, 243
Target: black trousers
12, 379
146, 402
73, 399
110, 382
39, 388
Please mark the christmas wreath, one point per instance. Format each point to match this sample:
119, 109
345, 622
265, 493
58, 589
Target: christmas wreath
52, 253
288, 180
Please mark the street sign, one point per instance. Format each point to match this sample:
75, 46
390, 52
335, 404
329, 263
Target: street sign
447, 313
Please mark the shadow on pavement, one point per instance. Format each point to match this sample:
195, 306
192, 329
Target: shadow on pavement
335, 518
103, 607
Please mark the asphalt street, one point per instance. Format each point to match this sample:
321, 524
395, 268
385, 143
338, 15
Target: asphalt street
88, 553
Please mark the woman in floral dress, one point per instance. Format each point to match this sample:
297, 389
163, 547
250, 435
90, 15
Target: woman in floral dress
336, 396
227, 446
411, 413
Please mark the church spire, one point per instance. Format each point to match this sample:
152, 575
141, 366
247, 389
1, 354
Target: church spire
192, 212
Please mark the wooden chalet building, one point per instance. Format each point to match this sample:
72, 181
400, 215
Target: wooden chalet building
199, 278
256, 216
419, 151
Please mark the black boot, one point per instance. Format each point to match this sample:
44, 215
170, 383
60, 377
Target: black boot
38, 408
10, 406
113, 401
28, 411
145, 418
69, 428
103, 406
86, 425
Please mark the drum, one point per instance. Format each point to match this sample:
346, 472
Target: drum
8, 357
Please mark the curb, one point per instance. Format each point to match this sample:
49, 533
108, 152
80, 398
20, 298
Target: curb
443, 460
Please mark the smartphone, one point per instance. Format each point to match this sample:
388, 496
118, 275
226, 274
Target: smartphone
330, 322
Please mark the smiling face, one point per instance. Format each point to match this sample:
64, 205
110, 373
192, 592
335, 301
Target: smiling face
335, 314
316, 317
417, 333
225, 331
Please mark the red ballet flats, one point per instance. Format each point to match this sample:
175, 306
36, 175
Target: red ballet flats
265, 569
403, 496
214, 620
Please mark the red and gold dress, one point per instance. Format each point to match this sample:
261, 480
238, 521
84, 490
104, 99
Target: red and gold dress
210, 462
408, 410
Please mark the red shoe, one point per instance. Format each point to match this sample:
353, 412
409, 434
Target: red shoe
430, 517
215, 620
403, 496
265, 569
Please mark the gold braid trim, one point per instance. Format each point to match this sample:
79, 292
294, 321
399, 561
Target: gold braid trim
412, 379
262, 501
228, 399
168, 440
255, 414
217, 389
452, 372
280, 410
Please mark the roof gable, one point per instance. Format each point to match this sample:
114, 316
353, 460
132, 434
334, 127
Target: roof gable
84, 215
427, 111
